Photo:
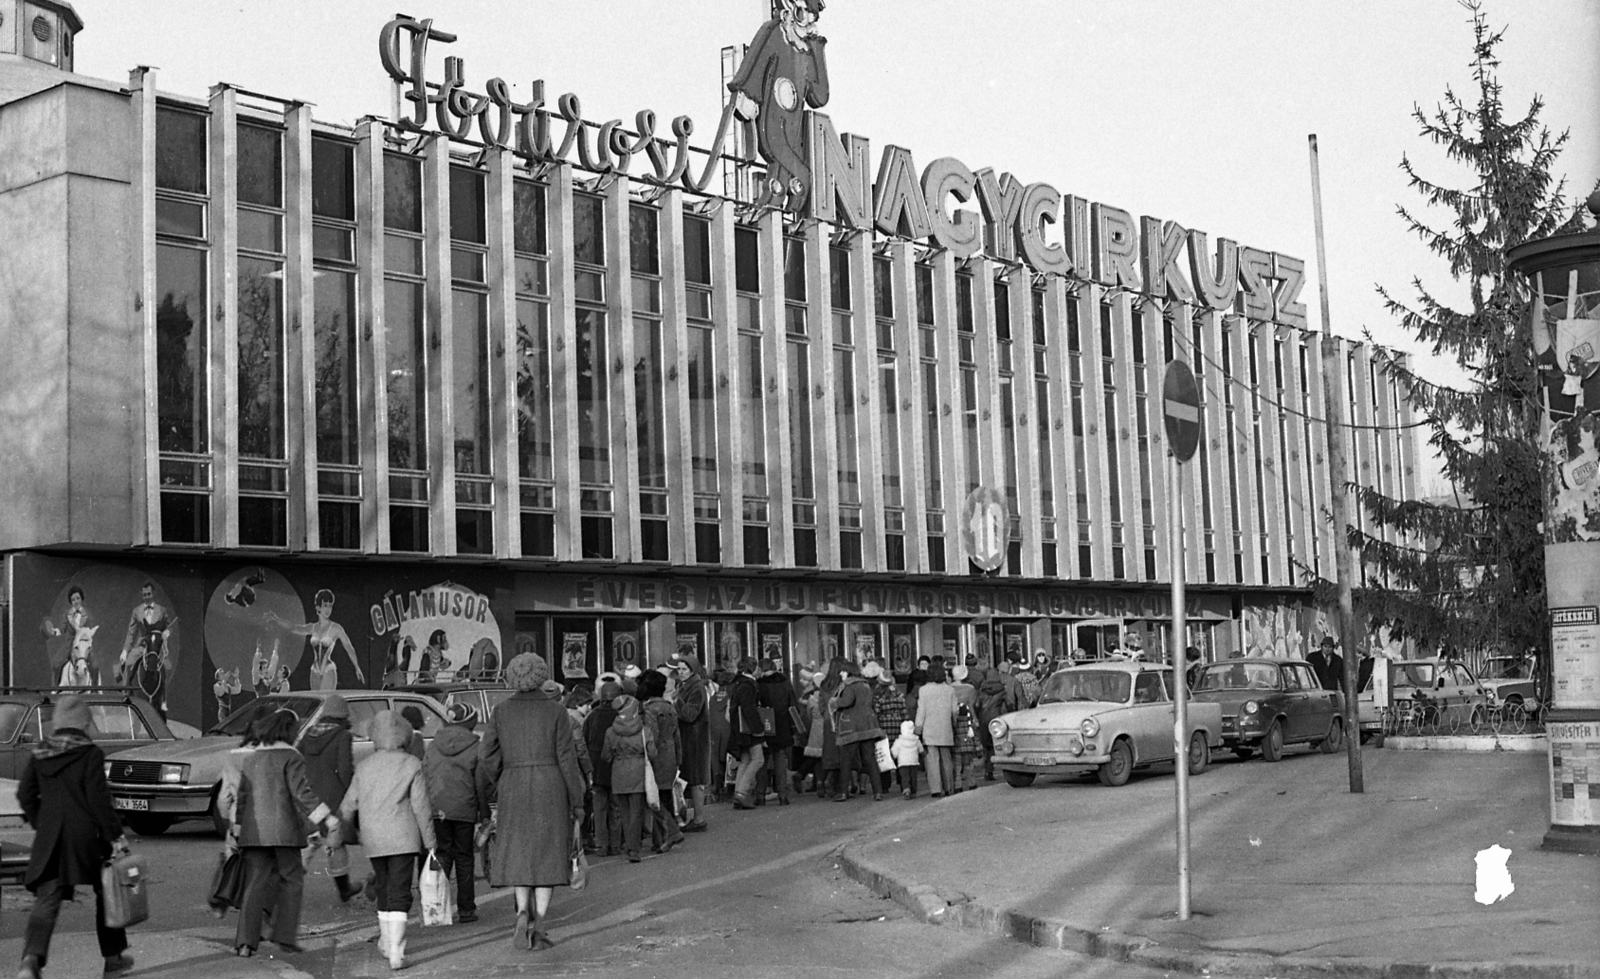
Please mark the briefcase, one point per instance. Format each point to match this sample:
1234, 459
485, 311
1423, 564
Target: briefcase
123, 889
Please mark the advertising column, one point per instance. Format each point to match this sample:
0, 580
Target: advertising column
1563, 273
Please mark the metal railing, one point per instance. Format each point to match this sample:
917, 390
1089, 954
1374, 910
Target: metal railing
1420, 718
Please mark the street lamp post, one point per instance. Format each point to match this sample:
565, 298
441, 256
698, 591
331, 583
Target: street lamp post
1563, 277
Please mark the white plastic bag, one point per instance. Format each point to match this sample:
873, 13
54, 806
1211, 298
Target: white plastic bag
438, 897
885, 757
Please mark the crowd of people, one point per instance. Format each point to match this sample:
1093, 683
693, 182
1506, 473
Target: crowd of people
600, 768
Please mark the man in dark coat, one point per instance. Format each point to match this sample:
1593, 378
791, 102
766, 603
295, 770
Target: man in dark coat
607, 827
746, 734
692, 699
327, 747
64, 798
774, 690
1328, 664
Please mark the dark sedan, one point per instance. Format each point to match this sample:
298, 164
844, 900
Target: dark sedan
1269, 703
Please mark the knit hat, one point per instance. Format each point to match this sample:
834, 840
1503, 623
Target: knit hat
872, 670
461, 715
527, 671
631, 672
608, 677
959, 674
626, 706
71, 711
908, 729
335, 706
689, 660
551, 688
609, 691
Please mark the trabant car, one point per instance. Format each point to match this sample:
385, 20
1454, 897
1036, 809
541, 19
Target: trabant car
1111, 717
163, 783
1269, 703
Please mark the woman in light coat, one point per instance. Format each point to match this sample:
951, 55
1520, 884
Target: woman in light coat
936, 715
390, 796
528, 753
268, 800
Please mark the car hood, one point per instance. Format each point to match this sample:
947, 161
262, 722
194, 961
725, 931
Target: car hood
1505, 681
206, 755
1229, 700
1058, 717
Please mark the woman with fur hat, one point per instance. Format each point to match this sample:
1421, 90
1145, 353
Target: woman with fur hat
326, 747
70, 841
625, 749
528, 752
390, 795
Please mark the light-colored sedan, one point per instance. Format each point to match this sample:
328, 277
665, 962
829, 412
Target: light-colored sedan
1112, 717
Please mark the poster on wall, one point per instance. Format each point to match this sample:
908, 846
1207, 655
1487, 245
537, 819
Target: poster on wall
772, 646
1574, 773
574, 655
1575, 654
900, 654
866, 647
438, 634
624, 650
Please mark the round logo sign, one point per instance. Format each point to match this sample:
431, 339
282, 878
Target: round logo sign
985, 526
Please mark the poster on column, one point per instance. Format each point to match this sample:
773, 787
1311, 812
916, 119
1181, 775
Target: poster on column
1575, 655
1574, 773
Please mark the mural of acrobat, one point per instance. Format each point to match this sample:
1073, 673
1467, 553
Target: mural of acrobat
783, 71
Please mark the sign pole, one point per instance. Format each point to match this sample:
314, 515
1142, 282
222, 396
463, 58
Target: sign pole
1180, 683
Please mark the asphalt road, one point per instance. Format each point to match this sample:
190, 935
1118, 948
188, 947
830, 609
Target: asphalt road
759, 895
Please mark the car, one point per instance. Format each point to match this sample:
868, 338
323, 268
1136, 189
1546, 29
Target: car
1510, 683
1429, 692
483, 697
1270, 703
1110, 717
160, 784
120, 717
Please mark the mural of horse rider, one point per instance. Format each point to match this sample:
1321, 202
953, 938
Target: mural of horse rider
145, 662
324, 636
79, 669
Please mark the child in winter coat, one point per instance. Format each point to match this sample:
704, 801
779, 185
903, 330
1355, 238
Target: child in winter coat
390, 795
626, 749
451, 768
907, 754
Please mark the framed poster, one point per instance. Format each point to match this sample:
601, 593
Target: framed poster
574, 655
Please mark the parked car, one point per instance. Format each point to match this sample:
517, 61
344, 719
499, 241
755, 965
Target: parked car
1511, 683
1269, 703
120, 717
484, 697
1428, 692
1112, 716
159, 784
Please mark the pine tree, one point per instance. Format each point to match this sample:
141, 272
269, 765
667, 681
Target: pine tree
1470, 576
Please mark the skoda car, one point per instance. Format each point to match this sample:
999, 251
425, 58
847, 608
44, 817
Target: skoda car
1269, 703
159, 784
1109, 717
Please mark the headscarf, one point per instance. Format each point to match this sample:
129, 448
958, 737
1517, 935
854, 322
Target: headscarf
527, 671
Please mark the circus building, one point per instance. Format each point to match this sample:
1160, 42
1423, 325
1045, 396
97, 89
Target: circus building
290, 404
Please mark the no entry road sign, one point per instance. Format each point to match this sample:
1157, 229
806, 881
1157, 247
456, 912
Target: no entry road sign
1180, 410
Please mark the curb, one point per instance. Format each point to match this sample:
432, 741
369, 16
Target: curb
1468, 742
961, 911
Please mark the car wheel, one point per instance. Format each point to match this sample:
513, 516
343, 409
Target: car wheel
1117, 770
1243, 752
1335, 739
1199, 753
1019, 780
1272, 743
148, 824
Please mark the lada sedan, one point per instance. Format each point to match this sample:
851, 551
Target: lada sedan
174, 780
1112, 717
1269, 703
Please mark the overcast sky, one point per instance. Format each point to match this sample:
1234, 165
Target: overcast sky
1188, 111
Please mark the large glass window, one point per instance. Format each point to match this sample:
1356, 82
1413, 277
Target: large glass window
405, 341
469, 349
1044, 414
593, 392
535, 435
1141, 412
845, 435
183, 412
1108, 379
1080, 447
967, 369
334, 373
263, 448
932, 457
801, 480
751, 401
1008, 422
648, 371
894, 514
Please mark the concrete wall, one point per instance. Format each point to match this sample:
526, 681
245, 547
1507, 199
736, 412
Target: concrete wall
71, 375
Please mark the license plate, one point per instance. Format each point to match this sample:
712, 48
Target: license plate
1039, 760
133, 805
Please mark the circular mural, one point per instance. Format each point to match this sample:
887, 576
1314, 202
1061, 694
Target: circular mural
249, 622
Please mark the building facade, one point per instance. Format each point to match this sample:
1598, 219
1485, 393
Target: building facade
296, 404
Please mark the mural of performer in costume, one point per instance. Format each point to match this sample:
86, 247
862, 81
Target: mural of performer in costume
324, 636
225, 687
783, 71
79, 626
144, 662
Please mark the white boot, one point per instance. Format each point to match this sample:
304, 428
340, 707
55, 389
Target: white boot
397, 939
384, 930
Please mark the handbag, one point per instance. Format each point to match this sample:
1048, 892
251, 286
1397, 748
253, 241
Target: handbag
122, 888
769, 722
652, 791
227, 882
438, 897
578, 873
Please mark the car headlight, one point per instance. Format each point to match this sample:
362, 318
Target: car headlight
1005, 748
998, 729
174, 774
1250, 707
1089, 728
1076, 747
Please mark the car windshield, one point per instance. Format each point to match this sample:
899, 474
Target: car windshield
1238, 676
238, 723
1104, 686
1507, 668
1414, 674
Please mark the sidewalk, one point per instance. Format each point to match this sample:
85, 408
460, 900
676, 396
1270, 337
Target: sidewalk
1291, 874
